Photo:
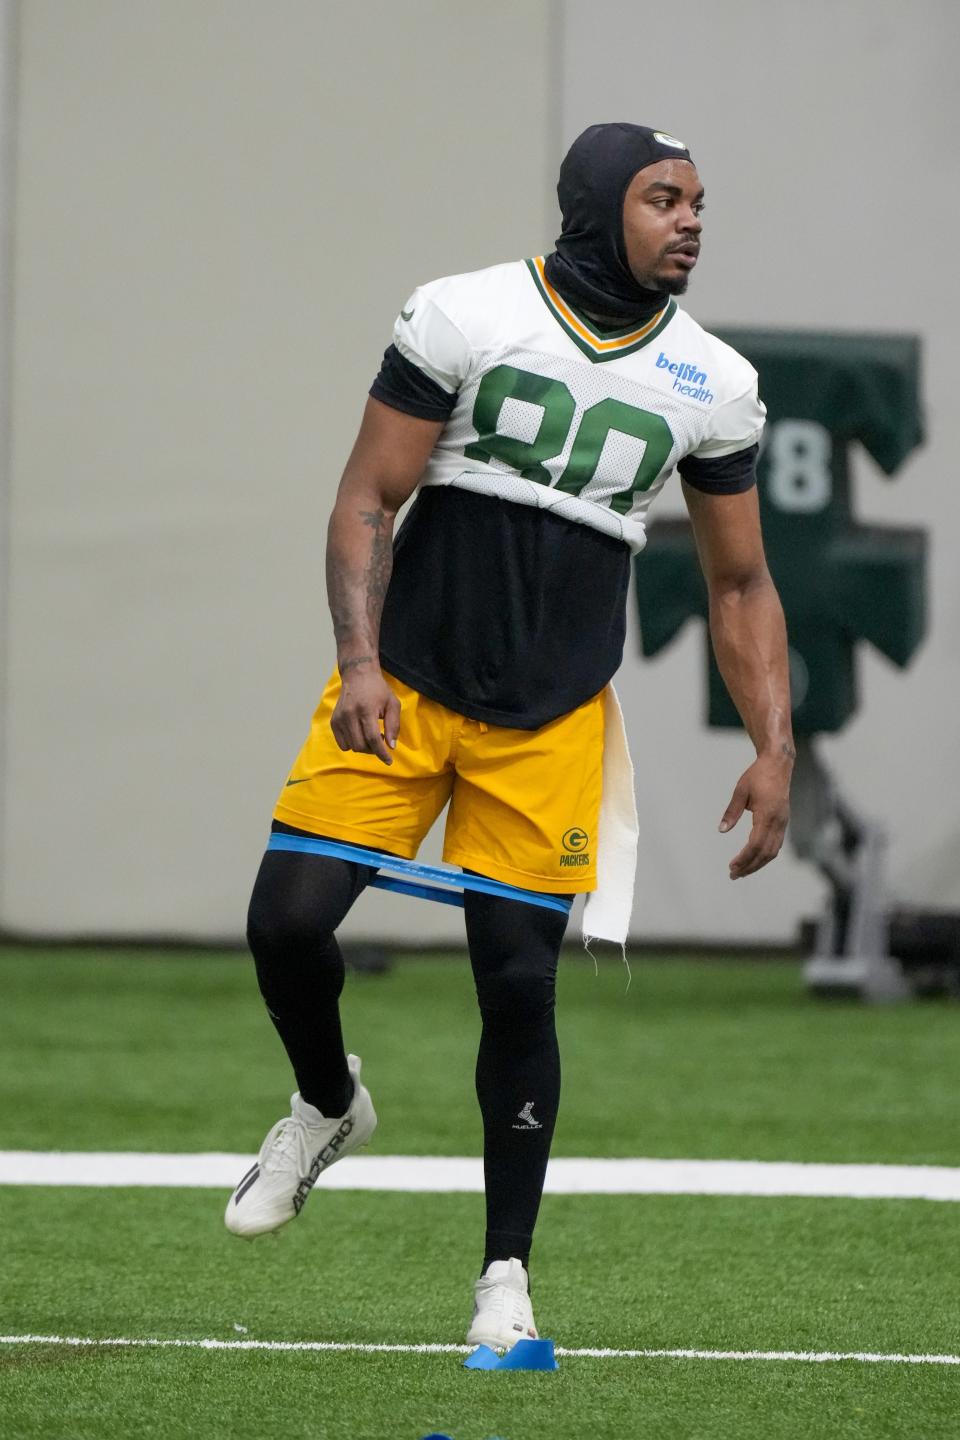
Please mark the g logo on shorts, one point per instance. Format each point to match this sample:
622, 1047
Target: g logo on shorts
510, 792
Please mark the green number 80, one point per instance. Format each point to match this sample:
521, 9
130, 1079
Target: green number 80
505, 382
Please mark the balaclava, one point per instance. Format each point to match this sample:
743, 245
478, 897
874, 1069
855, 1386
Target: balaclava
589, 266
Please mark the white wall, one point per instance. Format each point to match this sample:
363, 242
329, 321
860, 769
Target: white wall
221, 206
826, 138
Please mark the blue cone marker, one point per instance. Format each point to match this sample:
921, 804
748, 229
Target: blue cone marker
525, 1355
483, 1358
530, 1355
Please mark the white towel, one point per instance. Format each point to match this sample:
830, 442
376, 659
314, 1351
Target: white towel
606, 914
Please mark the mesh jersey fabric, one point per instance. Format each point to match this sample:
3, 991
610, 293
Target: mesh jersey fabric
501, 611
529, 373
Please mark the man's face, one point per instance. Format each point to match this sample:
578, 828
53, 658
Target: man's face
661, 224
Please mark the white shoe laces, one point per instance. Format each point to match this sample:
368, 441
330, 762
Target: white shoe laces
285, 1145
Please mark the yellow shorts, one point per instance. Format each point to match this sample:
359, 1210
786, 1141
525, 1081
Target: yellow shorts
524, 804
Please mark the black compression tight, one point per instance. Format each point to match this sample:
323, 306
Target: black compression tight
297, 903
299, 900
514, 949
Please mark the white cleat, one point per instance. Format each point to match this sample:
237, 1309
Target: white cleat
293, 1156
503, 1313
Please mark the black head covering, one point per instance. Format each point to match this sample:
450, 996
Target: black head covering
589, 266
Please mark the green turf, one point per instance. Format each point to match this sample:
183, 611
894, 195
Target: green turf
695, 1059
138, 1051
84, 1396
672, 1271
660, 1271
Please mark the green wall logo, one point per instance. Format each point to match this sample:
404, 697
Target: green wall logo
575, 842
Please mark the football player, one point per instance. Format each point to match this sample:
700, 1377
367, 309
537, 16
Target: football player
538, 408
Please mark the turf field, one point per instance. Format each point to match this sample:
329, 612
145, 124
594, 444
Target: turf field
172, 1052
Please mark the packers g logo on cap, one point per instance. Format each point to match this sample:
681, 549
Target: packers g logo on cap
665, 139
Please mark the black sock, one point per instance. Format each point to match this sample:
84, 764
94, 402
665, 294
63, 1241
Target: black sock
519, 1115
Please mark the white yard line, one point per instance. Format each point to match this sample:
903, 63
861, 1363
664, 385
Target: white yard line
815, 1357
438, 1174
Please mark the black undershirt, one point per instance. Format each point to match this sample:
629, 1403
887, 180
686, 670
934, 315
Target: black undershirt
404, 386
503, 612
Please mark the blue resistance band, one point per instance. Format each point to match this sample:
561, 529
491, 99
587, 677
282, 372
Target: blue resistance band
409, 877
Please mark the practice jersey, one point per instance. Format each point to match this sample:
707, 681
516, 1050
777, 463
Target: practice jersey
507, 601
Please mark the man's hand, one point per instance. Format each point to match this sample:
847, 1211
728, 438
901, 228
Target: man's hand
365, 702
764, 790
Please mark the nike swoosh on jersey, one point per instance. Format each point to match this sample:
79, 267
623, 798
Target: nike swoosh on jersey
302, 781
407, 314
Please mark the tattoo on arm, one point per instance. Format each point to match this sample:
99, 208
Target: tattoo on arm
352, 664
380, 564
356, 594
